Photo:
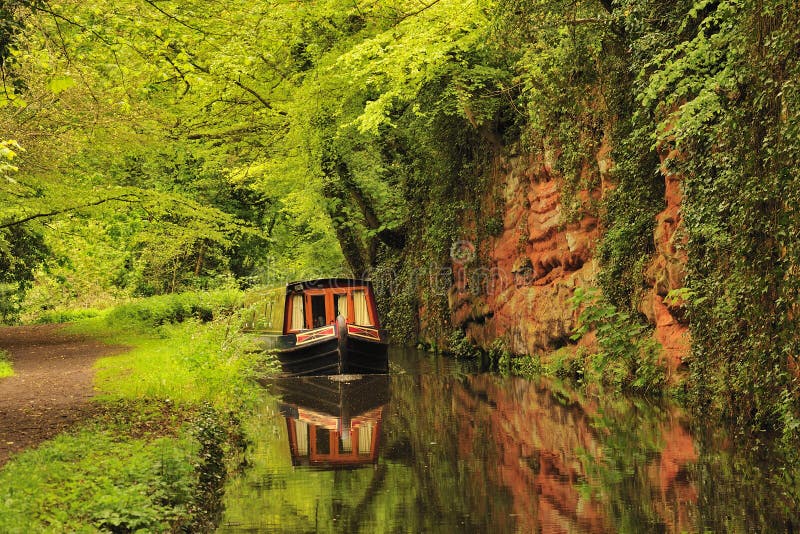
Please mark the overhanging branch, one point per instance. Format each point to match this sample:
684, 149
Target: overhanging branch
48, 214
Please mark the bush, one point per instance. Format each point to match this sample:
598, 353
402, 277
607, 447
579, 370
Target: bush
628, 355
460, 346
568, 363
500, 357
527, 366
66, 316
175, 308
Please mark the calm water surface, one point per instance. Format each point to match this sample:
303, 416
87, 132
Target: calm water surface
438, 446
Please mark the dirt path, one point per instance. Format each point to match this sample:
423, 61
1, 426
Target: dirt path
51, 388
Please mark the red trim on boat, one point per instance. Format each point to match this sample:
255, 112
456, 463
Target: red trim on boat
362, 331
314, 335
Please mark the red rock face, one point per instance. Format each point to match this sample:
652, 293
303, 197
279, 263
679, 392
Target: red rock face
667, 272
534, 264
544, 250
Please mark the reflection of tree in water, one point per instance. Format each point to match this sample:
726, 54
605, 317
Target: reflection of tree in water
746, 484
445, 492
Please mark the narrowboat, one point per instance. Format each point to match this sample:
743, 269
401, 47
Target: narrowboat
332, 423
330, 326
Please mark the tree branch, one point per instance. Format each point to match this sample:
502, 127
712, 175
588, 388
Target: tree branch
417, 12
225, 134
50, 11
254, 93
172, 17
123, 198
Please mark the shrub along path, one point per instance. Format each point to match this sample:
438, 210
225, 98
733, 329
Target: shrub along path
52, 385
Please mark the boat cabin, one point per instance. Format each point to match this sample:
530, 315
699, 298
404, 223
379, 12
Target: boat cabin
321, 327
316, 303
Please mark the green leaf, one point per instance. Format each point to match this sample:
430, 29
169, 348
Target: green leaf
59, 84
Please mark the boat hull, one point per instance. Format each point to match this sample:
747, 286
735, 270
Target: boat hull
335, 349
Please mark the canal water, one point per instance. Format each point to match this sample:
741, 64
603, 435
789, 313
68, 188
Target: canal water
438, 446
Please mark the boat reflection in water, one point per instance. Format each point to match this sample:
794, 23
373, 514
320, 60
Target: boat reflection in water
333, 422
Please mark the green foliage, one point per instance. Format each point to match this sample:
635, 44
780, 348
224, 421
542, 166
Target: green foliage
67, 316
725, 98
22, 249
568, 363
629, 355
93, 479
564, 87
5, 366
460, 346
501, 358
528, 366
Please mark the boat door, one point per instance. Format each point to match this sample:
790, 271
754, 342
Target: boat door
320, 308
318, 312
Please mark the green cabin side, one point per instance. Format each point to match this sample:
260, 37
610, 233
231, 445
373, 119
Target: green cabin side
264, 310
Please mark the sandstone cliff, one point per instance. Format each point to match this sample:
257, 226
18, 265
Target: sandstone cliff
519, 282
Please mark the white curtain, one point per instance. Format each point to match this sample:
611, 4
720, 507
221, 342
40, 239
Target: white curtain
301, 434
364, 439
341, 303
360, 308
297, 312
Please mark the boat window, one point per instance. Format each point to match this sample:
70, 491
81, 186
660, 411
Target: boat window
318, 310
360, 308
323, 441
297, 312
341, 305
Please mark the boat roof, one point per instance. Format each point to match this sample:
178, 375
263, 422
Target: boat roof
327, 282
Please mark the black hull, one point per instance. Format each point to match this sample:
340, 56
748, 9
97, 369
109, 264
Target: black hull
318, 358
340, 354
365, 357
330, 396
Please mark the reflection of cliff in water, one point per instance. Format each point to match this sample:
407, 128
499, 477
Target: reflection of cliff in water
333, 422
513, 455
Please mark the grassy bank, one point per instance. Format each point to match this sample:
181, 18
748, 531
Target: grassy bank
157, 453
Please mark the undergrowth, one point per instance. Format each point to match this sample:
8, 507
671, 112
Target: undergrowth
66, 316
156, 456
628, 355
137, 467
97, 478
175, 308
